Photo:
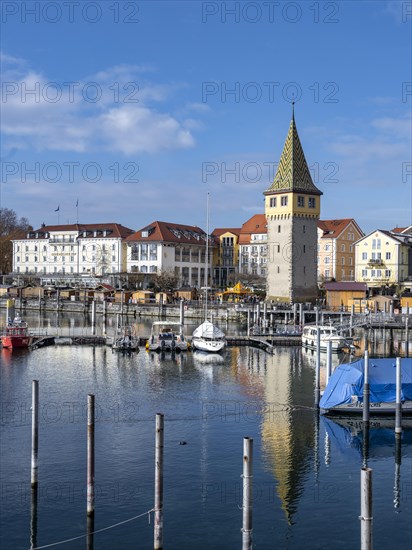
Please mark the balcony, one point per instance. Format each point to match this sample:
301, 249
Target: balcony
376, 262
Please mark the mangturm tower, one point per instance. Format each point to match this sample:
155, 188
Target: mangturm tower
292, 209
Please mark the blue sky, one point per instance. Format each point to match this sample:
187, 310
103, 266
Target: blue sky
139, 108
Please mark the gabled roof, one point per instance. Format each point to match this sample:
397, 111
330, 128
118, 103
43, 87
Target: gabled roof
254, 225
403, 230
115, 229
333, 228
397, 237
170, 233
293, 173
222, 230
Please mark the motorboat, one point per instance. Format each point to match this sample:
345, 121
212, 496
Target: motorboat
126, 340
167, 336
328, 333
16, 334
344, 393
208, 337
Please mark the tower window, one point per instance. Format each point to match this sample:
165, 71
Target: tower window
304, 228
312, 202
301, 201
278, 228
272, 202
283, 201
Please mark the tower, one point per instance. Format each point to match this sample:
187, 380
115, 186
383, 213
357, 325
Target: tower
292, 209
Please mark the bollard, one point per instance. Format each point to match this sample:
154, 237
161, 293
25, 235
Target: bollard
328, 361
398, 411
366, 509
34, 432
366, 389
247, 493
90, 454
158, 504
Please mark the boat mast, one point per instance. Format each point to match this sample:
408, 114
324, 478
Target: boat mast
207, 254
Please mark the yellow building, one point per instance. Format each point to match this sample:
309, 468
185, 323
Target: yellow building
225, 256
384, 258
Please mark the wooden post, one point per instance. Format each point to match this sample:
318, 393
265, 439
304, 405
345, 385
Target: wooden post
398, 412
247, 493
265, 313
328, 361
407, 334
248, 322
398, 460
366, 389
158, 504
90, 531
93, 316
34, 432
366, 509
182, 312
391, 309
258, 320
301, 314
33, 517
317, 373
90, 454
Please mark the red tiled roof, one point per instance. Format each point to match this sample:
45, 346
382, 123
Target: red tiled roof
255, 224
221, 230
333, 228
170, 233
116, 229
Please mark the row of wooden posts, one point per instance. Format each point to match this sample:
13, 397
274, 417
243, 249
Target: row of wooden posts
247, 476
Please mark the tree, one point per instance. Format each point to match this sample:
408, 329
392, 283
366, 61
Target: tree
164, 281
10, 228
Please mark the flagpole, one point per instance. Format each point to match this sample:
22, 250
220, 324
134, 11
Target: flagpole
77, 211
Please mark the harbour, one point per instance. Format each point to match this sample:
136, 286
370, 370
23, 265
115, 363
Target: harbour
305, 467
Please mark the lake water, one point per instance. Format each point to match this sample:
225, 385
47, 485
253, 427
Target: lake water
306, 468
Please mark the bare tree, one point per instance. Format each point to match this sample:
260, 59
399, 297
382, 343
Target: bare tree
10, 228
164, 281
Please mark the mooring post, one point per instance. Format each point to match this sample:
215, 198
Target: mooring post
366, 509
248, 322
366, 389
90, 454
34, 432
265, 312
317, 373
90, 531
398, 412
407, 334
93, 316
398, 461
247, 493
328, 361
301, 314
182, 312
33, 517
158, 504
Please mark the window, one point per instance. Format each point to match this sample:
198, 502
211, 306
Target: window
388, 255
327, 260
279, 248
301, 201
278, 269
27, 258
387, 272
44, 258
284, 201
153, 269
272, 202
378, 273
376, 244
350, 261
364, 255
18, 258
312, 202
134, 252
342, 248
304, 228
327, 273
364, 272
304, 248
343, 261
143, 251
113, 258
327, 247
278, 228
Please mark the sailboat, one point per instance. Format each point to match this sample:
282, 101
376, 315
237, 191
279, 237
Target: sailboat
208, 337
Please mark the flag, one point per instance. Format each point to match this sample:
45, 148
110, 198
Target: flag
77, 203
58, 208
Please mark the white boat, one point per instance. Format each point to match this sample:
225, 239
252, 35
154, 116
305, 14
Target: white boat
126, 340
328, 333
207, 337
167, 336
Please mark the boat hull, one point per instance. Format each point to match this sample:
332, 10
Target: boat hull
10, 342
375, 409
210, 346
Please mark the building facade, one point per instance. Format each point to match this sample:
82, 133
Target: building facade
95, 249
168, 247
292, 209
384, 258
226, 256
336, 249
253, 254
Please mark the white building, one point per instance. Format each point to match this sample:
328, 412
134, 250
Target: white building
253, 248
72, 249
170, 247
385, 258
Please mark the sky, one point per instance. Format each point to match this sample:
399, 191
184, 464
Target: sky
135, 111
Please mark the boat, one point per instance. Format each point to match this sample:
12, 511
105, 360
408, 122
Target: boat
126, 340
167, 336
328, 333
207, 337
344, 393
16, 334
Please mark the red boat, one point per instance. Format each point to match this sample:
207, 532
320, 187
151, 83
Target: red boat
16, 335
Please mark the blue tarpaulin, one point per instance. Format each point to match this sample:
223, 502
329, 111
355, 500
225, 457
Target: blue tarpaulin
346, 383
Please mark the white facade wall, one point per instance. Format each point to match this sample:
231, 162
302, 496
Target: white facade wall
253, 257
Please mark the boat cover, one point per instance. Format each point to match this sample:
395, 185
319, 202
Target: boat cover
347, 381
208, 330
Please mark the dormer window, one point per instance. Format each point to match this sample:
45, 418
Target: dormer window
145, 233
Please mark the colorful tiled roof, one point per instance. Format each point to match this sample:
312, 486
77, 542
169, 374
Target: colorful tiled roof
293, 173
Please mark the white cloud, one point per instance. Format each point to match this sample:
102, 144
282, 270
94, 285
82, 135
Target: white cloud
65, 117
